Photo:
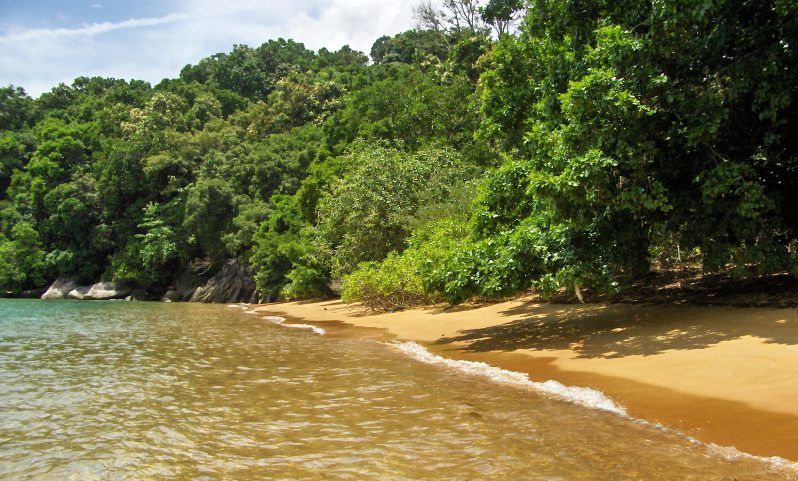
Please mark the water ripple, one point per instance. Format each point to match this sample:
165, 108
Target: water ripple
114, 391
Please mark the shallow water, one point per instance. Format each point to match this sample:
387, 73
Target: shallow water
146, 391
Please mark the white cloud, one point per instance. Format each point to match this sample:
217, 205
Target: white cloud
50, 34
154, 48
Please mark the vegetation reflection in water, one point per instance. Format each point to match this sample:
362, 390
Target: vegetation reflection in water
149, 391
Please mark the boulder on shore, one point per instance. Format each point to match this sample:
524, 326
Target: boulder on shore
141, 295
102, 291
78, 293
172, 296
68, 289
233, 283
59, 289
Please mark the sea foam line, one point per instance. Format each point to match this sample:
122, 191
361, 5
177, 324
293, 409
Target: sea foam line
578, 395
308, 327
587, 397
281, 321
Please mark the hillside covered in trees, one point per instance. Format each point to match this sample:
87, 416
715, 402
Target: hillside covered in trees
496, 148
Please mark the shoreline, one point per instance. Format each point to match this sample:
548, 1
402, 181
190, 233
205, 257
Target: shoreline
725, 376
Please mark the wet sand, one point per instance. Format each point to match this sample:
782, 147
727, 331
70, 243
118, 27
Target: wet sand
724, 375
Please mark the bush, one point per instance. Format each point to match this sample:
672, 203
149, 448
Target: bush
305, 283
391, 285
406, 279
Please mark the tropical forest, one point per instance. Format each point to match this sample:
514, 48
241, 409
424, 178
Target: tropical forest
497, 148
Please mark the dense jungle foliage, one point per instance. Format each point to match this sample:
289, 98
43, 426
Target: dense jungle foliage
545, 144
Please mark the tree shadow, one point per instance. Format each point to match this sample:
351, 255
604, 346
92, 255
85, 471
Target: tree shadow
601, 331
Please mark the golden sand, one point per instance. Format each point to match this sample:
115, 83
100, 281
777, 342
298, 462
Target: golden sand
723, 375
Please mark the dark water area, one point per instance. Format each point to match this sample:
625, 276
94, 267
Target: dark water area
148, 391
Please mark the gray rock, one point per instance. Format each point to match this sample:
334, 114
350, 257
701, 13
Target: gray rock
67, 289
59, 289
141, 295
233, 283
171, 296
103, 291
187, 282
78, 293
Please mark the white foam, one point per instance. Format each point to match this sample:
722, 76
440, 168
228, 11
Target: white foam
281, 321
308, 327
577, 395
233, 305
733, 454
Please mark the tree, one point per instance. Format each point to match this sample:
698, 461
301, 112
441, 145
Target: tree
368, 212
208, 212
22, 263
16, 108
501, 15
451, 15
15, 150
624, 137
410, 47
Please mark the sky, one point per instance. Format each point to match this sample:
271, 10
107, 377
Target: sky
44, 42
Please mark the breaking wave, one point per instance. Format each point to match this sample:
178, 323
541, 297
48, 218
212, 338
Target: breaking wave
281, 321
578, 395
582, 396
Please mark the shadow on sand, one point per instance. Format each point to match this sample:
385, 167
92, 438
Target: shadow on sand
601, 331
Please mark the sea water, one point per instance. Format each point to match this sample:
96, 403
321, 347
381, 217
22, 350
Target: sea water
148, 391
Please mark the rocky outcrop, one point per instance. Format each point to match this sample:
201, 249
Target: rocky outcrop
102, 291
59, 289
233, 283
187, 282
78, 293
142, 295
172, 296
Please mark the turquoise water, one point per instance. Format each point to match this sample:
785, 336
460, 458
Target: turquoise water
148, 391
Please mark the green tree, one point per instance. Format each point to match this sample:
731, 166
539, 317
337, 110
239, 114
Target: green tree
16, 108
368, 213
209, 209
22, 264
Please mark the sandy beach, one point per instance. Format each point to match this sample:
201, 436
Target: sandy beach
724, 375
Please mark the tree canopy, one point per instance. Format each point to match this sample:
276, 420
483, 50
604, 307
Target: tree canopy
499, 146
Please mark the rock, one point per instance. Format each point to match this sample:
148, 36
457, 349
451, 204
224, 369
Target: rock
171, 296
59, 289
78, 293
233, 283
103, 291
187, 282
67, 289
141, 295
186, 294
